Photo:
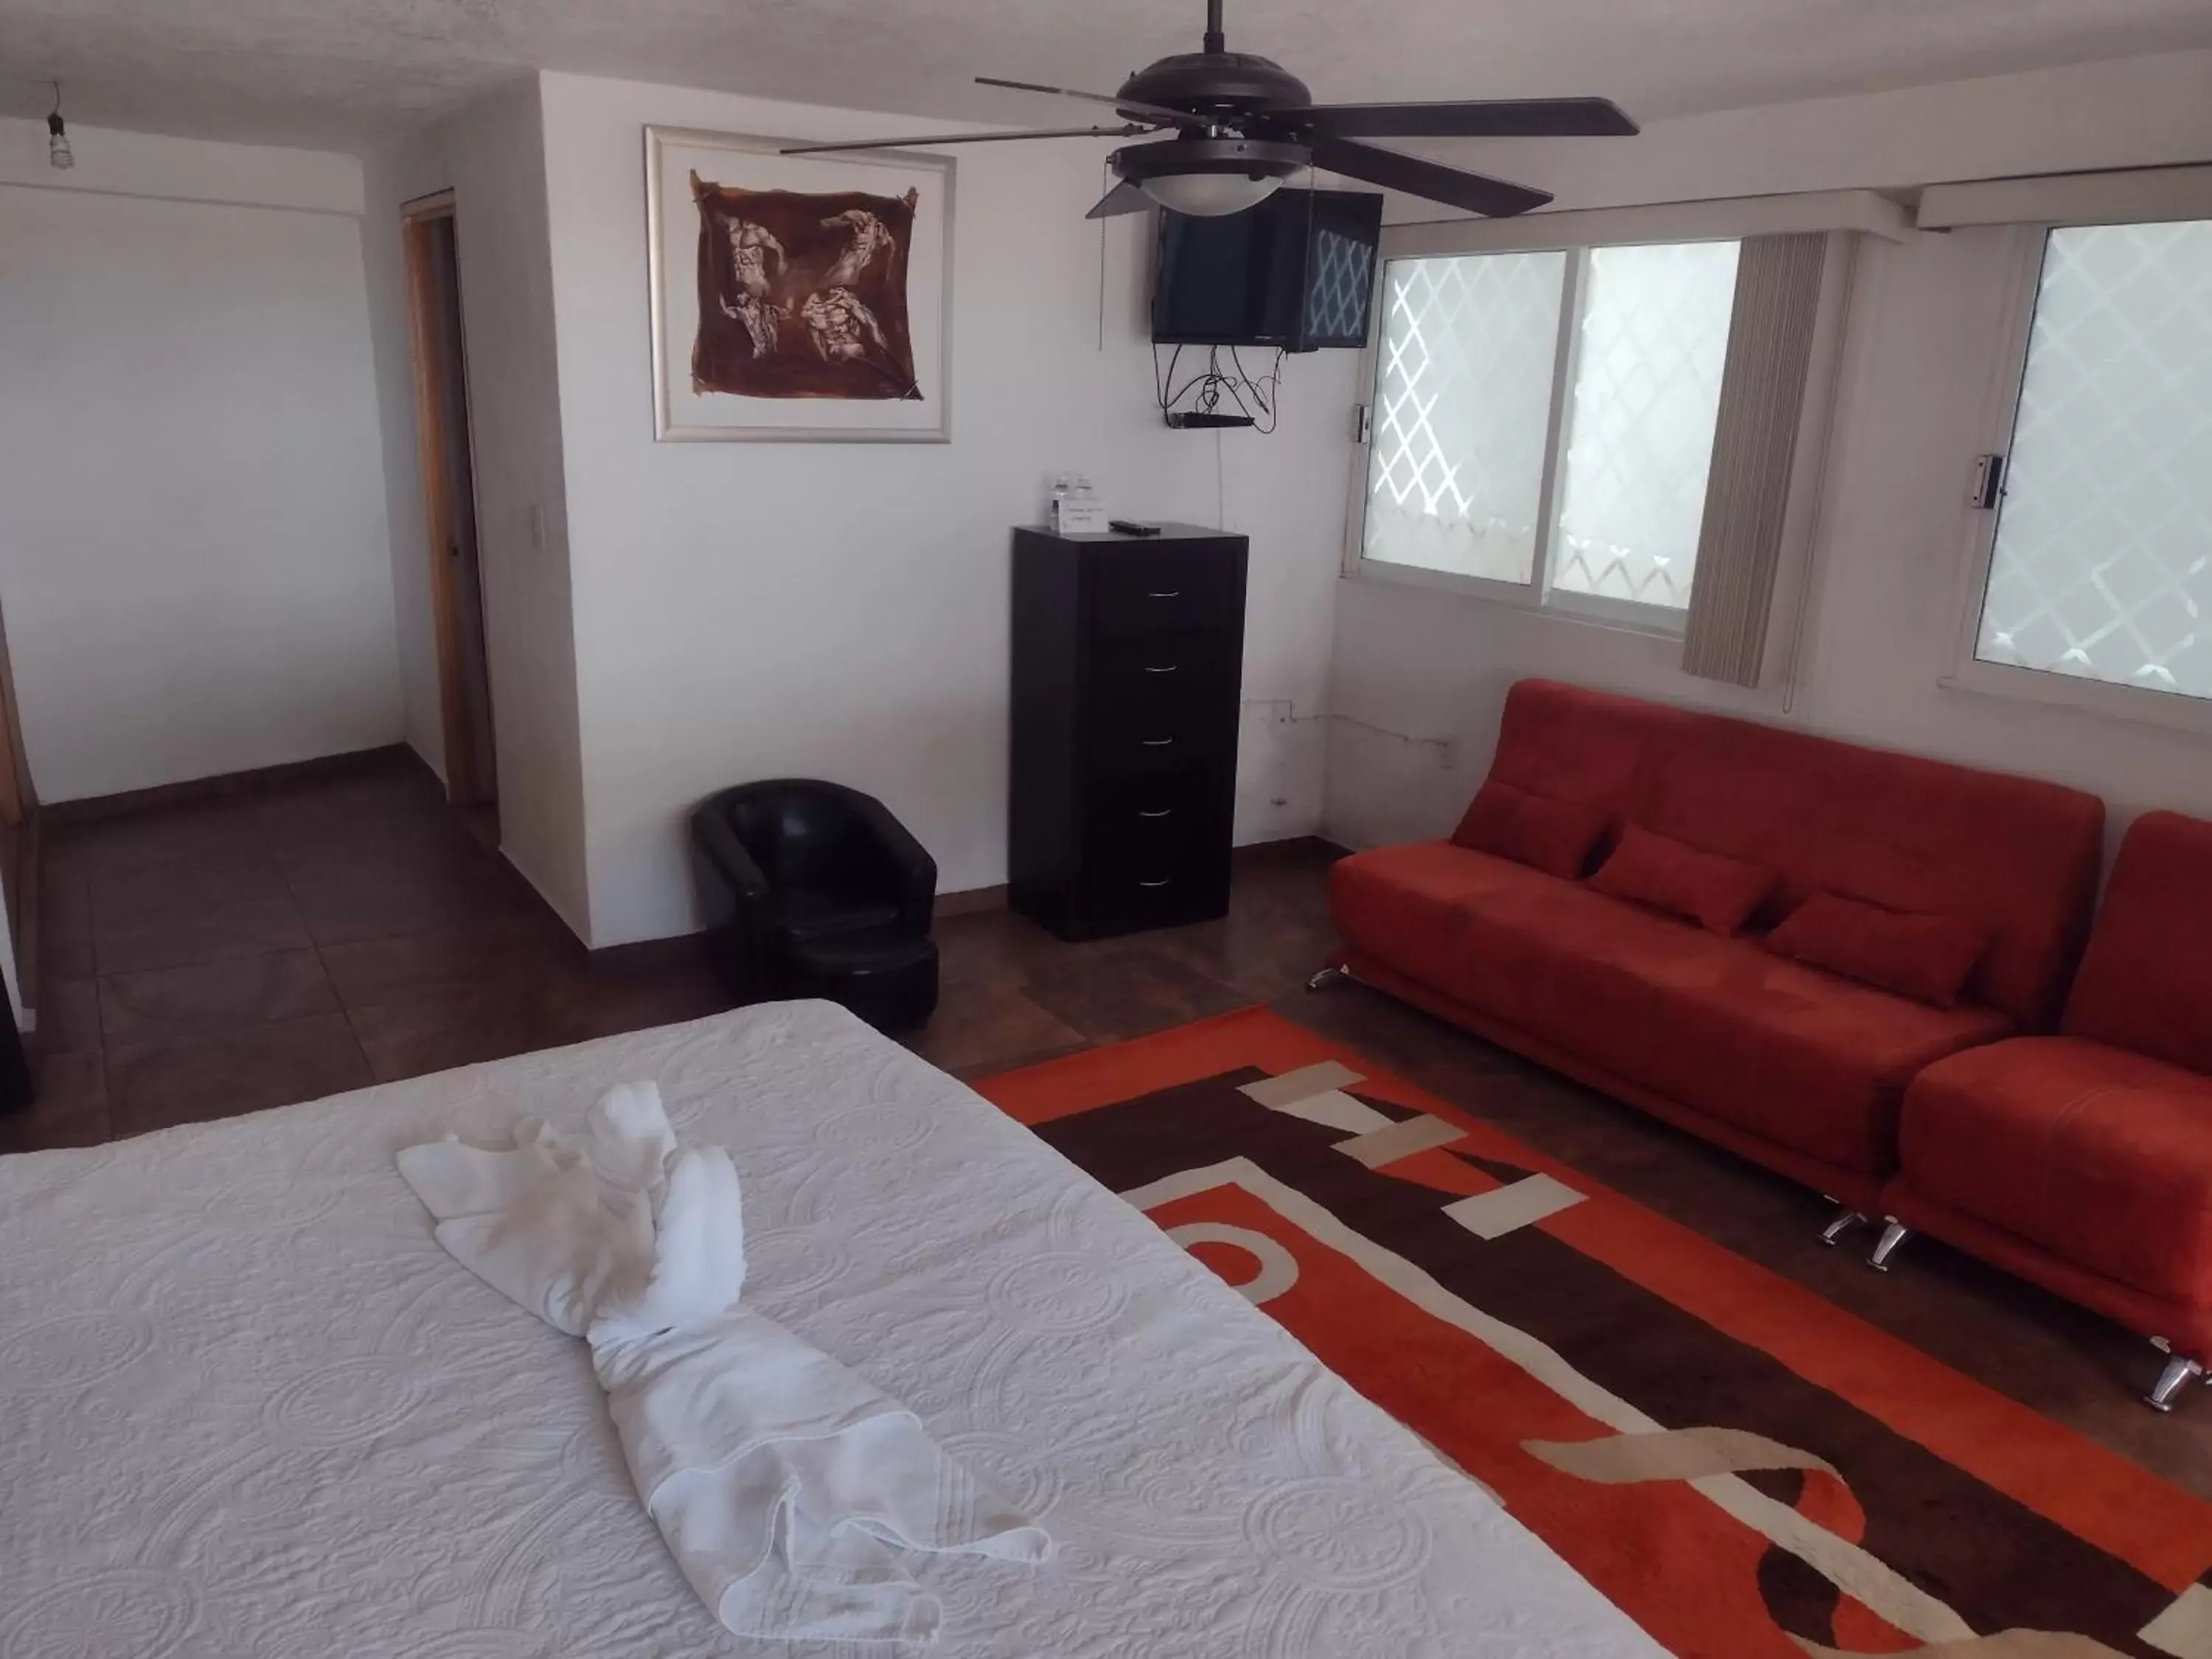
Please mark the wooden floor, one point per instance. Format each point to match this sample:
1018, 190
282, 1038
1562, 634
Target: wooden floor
199, 961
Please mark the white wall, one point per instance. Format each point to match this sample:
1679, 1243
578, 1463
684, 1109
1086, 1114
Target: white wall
1923, 345
182, 169
492, 156
745, 610
192, 538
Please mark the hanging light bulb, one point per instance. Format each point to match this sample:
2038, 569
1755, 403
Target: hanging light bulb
57, 143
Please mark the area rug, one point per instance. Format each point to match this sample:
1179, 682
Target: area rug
1741, 1467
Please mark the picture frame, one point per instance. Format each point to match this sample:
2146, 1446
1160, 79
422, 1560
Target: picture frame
798, 298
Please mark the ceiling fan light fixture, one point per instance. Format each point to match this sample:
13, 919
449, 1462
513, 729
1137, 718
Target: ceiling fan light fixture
1209, 177
1210, 195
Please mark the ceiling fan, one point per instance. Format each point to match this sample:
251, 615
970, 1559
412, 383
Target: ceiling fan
1244, 123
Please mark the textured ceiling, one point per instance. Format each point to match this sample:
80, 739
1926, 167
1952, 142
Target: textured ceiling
346, 74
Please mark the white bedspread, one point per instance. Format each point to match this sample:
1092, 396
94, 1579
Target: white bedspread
249, 1409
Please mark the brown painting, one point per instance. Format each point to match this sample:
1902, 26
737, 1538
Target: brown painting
803, 296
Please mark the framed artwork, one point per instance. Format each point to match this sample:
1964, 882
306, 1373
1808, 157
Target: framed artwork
800, 298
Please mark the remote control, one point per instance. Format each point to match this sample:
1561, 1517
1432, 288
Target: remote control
1131, 527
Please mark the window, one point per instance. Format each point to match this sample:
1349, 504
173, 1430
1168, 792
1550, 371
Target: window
2100, 561
1462, 403
1544, 421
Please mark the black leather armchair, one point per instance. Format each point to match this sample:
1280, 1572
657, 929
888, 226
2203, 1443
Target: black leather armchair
813, 890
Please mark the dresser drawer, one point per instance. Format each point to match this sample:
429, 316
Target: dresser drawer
1139, 589
1120, 903
1144, 823
1155, 854
1153, 671
1148, 737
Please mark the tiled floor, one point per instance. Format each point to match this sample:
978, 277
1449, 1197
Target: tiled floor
209, 960
203, 960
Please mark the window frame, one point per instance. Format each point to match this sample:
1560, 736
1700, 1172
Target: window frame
1962, 670
1537, 595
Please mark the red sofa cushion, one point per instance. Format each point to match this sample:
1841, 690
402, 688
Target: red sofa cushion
1414, 907
2015, 854
1812, 1062
2146, 983
1925, 958
1717, 893
2095, 1154
1566, 743
1554, 836
2019, 856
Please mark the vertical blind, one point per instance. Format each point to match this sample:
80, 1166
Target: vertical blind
1770, 356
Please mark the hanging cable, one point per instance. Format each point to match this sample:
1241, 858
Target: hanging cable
1254, 398
58, 152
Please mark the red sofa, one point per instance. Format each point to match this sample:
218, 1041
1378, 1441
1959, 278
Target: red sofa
2083, 1161
1795, 1067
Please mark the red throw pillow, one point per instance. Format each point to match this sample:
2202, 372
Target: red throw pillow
1716, 892
1555, 837
1925, 957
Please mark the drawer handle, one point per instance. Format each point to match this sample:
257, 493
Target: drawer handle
1162, 882
1162, 813
1172, 593
1156, 742
1169, 669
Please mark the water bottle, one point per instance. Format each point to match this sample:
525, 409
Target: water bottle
1061, 490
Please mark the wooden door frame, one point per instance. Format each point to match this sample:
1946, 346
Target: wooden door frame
19, 800
18, 854
465, 779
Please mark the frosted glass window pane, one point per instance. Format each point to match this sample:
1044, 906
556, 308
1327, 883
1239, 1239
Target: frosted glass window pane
1648, 355
2103, 563
1462, 412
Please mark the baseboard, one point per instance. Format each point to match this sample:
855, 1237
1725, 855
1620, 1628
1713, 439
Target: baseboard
974, 900
970, 901
1261, 852
91, 809
645, 955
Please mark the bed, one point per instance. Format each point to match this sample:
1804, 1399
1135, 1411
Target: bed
249, 1408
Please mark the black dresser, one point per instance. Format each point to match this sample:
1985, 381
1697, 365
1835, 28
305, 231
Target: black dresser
1127, 653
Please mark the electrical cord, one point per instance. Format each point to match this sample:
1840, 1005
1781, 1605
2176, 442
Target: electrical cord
1258, 400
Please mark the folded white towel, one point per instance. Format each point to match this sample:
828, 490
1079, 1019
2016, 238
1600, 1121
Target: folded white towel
782, 1482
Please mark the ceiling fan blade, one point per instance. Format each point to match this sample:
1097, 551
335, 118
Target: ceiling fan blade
1501, 118
1130, 132
1493, 197
1124, 198
1160, 112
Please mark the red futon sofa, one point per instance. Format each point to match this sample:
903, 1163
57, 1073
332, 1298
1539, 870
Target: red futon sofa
1697, 998
2083, 1161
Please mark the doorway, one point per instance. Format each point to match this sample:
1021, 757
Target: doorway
446, 454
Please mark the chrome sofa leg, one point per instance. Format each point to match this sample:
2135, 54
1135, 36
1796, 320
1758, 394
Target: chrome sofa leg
1846, 1219
1893, 1233
1328, 977
2178, 1374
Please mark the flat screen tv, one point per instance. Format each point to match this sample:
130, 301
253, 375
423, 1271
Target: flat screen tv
1297, 271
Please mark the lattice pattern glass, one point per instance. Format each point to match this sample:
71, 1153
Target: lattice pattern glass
1342, 283
1651, 345
1462, 412
2103, 563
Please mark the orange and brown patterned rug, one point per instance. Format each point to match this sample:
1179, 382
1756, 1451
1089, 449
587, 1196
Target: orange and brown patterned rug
1745, 1468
